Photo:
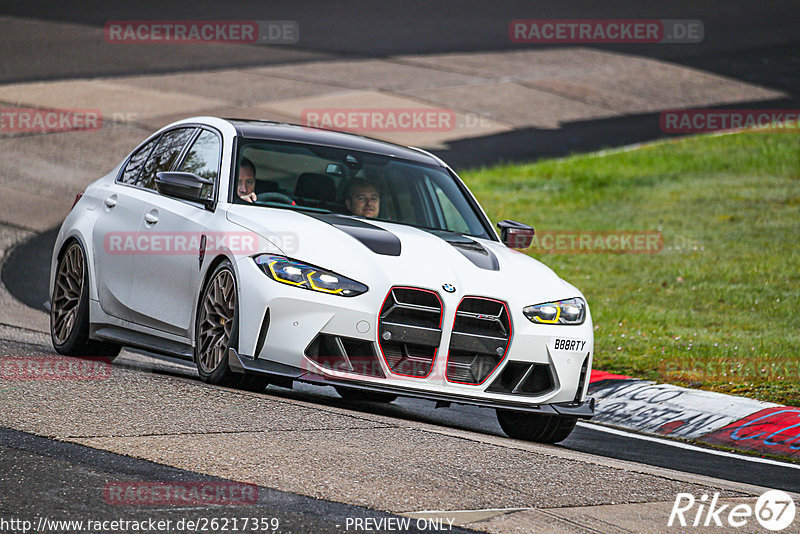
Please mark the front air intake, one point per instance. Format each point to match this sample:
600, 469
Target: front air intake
345, 355
523, 378
409, 330
480, 339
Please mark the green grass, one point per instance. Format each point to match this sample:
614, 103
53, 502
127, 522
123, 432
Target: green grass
719, 307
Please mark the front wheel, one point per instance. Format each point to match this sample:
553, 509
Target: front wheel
69, 308
537, 427
217, 330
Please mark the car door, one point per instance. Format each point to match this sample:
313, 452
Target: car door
114, 233
167, 276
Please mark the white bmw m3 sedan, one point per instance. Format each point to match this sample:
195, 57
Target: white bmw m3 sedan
269, 253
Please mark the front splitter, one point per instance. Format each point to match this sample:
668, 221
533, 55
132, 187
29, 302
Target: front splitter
283, 373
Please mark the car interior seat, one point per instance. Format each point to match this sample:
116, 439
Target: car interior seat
315, 190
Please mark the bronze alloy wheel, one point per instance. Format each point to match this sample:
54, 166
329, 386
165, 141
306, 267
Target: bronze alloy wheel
217, 331
216, 321
67, 294
69, 308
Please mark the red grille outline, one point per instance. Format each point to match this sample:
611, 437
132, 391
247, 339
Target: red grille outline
505, 352
435, 351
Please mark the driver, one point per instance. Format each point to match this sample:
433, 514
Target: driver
247, 181
363, 198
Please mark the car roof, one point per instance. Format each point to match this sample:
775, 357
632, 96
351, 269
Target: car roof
280, 131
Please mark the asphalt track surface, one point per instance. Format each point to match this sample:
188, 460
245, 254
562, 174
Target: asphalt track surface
62, 481
755, 42
584, 438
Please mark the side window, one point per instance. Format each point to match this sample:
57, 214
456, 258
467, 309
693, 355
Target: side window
452, 217
203, 160
135, 164
164, 155
442, 204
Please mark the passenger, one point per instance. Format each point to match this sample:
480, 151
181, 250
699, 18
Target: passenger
362, 198
247, 181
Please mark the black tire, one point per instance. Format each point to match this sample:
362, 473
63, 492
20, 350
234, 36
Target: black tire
69, 312
353, 394
220, 374
537, 427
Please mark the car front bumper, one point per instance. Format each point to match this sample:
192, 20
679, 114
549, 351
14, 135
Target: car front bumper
285, 374
280, 324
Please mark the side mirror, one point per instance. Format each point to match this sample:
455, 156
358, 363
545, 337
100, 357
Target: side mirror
515, 235
184, 185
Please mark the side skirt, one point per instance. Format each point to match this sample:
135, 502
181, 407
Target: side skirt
141, 340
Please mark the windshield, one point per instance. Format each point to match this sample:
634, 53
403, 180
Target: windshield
333, 180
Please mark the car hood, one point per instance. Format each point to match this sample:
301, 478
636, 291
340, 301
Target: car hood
383, 254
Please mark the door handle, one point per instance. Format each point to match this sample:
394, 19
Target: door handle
151, 217
110, 201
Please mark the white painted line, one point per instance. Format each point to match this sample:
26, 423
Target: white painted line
682, 445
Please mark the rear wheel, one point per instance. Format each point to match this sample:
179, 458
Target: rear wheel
542, 428
69, 308
363, 395
218, 330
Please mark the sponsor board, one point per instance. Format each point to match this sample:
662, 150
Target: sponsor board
775, 430
663, 409
703, 416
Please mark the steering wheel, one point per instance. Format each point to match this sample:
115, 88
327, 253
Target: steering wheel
275, 197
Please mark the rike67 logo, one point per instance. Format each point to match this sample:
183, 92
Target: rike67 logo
774, 510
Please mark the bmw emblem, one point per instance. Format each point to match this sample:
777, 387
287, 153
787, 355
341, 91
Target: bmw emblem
450, 288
